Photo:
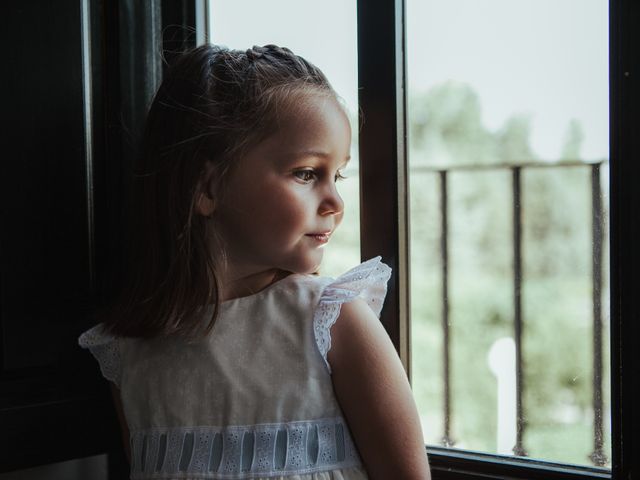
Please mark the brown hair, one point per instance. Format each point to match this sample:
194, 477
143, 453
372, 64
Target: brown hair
213, 104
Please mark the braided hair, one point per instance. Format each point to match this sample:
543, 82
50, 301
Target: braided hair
212, 106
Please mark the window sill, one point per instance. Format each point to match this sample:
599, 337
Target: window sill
465, 465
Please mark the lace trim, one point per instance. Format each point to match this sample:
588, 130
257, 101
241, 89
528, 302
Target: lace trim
105, 349
243, 451
368, 281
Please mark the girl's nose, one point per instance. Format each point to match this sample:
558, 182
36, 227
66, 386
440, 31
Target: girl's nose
332, 203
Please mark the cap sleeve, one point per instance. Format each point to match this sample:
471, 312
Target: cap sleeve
367, 281
106, 349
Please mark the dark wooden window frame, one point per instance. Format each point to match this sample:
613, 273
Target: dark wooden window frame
384, 225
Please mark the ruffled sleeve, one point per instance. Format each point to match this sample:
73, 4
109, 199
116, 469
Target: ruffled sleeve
367, 281
106, 349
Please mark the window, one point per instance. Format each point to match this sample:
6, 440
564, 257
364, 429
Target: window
508, 166
384, 208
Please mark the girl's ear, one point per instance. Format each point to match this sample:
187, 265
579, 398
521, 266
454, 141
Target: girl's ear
205, 205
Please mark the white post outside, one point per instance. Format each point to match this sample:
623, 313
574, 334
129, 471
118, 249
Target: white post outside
502, 362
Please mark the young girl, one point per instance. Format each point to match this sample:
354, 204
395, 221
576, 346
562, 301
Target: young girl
229, 357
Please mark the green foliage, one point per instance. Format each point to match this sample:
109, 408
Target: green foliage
446, 130
445, 127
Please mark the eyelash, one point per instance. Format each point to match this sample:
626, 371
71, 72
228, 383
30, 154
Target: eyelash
308, 175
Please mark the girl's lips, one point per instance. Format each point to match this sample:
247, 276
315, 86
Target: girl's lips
320, 237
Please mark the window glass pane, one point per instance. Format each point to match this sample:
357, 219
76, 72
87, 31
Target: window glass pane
325, 34
508, 141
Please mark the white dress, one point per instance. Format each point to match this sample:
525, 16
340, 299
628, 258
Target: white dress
254, 398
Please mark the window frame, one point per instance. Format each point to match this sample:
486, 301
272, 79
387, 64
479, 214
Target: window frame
385, 227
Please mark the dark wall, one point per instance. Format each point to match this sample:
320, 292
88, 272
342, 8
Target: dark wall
77, 78
52, 405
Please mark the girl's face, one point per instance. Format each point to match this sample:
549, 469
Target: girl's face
282, 205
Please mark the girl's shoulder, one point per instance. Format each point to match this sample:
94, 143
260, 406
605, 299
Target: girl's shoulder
367, 281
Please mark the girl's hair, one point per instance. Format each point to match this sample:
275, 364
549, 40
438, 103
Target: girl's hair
213, 105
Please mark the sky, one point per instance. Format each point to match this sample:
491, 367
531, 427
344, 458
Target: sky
547, 59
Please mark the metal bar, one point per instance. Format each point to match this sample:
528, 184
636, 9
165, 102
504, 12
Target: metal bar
598, 456
506, 166
87, 97
447, 441
518, 449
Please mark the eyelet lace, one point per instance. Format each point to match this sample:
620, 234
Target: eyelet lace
367, 281
105, 349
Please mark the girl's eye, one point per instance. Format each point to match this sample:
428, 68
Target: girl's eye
339, 176
305, 175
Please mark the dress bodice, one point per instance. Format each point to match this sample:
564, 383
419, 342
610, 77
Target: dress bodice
251, 399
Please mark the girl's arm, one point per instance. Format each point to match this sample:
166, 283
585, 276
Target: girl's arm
117, 402
375, 396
